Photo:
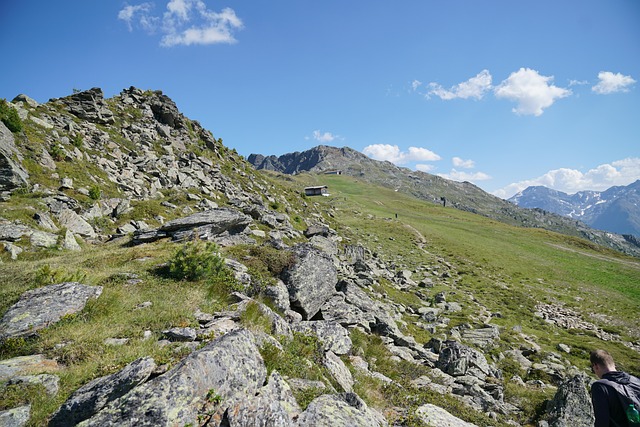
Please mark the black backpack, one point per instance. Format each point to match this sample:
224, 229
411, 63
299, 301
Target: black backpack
629, 399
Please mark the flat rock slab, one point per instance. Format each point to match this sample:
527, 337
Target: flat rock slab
435, 416
24, 365
38, 308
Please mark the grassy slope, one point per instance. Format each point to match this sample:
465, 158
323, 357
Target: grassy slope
507, 269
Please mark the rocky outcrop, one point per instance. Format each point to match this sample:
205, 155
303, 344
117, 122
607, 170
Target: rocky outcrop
346, 410
311, 280
207, 225
571, 405
95, 395
90, 105
12, 174
38, 308
230, 367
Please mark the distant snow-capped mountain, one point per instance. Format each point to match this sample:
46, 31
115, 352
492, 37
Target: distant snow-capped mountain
616, 209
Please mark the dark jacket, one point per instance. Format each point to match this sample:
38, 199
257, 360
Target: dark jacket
606, 404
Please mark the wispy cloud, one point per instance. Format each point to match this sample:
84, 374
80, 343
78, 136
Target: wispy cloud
456, 175
531, 91
465, 164
393, 154
602, 177
609, 82
476, 87
185, 22
324, 137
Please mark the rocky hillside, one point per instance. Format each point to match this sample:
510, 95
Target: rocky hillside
153, 277
616, 209
461, 195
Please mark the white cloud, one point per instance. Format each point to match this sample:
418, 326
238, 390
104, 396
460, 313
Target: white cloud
128, 13
323, 137
475, 87
185, 22
456, 175
393, 154
602, 177
612, 83
531, 91
460, 163
425, 168
415, 85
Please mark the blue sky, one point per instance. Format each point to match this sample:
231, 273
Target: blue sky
504, 94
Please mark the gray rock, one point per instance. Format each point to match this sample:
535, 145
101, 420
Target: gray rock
180, 334
316, 230
334, 337
95, 395
273, 406
43, 239
90, 105
346, 410
13, 231
231, 366
74, 222
69, 242
456, 360
12, 174
25, 99
48, 381
433, 415
66, 184
204, 225
310, 280
482, 337
38, 308
571, 405
338, 371
279, 294
44, 221
16, 417
13, 250
22, 365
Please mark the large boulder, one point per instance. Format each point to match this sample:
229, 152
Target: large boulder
230, 366
12, 174
204, 225
346, 410
89, 105
433, 415
311, 280
457, 360
95, 395
333, 336
75, 223
273, 405
40, 307
571, 405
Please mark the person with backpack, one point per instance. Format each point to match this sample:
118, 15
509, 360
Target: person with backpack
616, 395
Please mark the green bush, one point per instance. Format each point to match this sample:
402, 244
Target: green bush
95, 193
50, 276
77, 141
57, 152
10, 117
197, 260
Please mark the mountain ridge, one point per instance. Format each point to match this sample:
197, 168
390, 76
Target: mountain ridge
616, 209
461, 195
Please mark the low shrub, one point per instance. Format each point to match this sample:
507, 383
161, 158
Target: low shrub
9, 116
196, 260
95, 193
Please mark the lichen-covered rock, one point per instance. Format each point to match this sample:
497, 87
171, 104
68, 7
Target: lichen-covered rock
74, 222
23, 365
89, 105
311, 280
230, 367
12, 174
457, 360
571, 405
338, 371
333, 336
433, 415
96, 394
273, 406
38, 308
16, 417
48, 381
346, 410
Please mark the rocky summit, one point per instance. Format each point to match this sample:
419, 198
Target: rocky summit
153, 277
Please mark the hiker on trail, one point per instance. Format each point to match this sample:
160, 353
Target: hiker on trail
615, 394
